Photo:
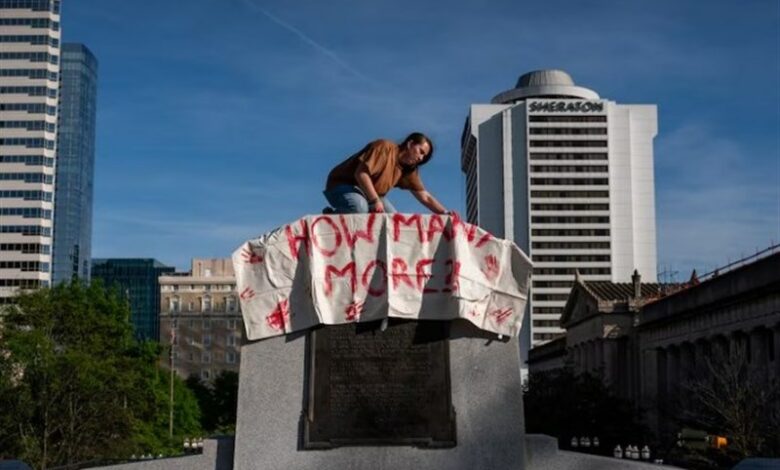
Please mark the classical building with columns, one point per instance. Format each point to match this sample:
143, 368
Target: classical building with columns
647, 340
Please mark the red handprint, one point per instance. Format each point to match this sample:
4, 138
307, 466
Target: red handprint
501, 314
354, 310
280, 316
491, 267
251, 257
247, 294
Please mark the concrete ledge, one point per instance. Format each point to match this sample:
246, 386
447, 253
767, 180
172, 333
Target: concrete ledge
542, 453
217, 455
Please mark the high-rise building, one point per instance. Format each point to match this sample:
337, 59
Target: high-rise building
569, 177
138, 279
200, 312
75, 164
29, 83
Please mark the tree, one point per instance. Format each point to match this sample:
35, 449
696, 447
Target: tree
218, 401
75, 386
732, 398
225, 392
564, 404
151, 418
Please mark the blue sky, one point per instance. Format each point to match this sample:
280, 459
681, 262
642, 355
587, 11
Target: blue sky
219, 119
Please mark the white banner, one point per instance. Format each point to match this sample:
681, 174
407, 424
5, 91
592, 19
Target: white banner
333, 269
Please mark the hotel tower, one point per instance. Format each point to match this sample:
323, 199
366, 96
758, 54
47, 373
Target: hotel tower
29, 88
568, 176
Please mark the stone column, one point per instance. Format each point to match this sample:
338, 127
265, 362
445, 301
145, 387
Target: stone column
703, 354
576, 357
720, 348
775, 350
673, 372
759, 354
589, 357
650, 384
686, 361
584, 357
740, 343
600, 369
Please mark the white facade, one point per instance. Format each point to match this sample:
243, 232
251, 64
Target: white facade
569, 178
29, 89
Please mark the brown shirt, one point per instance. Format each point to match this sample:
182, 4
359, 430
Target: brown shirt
381, 159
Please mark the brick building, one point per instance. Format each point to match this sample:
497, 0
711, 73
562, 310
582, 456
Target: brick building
200, 311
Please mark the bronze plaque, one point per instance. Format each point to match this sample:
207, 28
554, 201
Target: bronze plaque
372, 387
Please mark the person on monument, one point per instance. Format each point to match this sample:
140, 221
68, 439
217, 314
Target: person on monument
360, 183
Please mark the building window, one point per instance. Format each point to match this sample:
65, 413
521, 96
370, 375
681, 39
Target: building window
205, 374
231, 304
230, 357
231, 324
206, 324
206, 301
206, 357
175, 304
551, 297
570, 258
545, 336
207, 341
231, 340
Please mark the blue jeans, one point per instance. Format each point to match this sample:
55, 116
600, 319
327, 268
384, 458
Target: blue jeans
348, 199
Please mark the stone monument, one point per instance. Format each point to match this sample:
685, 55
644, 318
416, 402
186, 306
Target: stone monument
418, 394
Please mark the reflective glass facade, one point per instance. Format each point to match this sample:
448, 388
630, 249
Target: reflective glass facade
29, 99
75, 164
138, 279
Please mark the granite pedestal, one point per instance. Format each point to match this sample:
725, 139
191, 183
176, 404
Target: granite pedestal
486, 397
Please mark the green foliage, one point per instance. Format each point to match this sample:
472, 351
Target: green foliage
218, 401
151, 422
564, 404
75, 385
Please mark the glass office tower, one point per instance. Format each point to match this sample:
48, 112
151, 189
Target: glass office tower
29, 83
138, 279
75, 164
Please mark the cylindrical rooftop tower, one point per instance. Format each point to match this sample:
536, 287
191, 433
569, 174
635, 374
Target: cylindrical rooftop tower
544, 84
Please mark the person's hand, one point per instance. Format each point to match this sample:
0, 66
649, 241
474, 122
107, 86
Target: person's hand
377, 206
452, 213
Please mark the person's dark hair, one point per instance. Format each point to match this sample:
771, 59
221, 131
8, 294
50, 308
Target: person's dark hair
419, 138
